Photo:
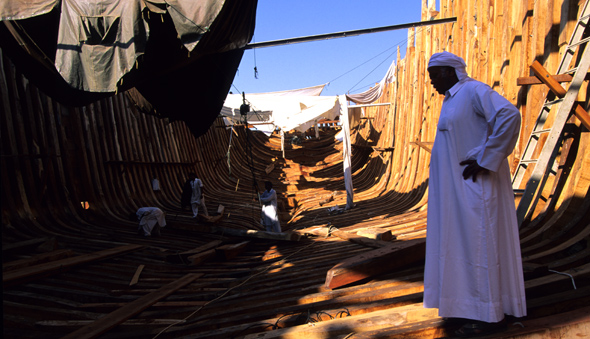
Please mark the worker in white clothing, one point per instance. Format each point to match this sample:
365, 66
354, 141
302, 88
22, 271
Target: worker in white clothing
151, 219
473, 270
197, 197
270, 215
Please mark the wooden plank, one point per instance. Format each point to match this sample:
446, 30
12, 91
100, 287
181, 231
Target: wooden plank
230, 251
355, 324
376, 262
210, 218
131, 322
324, 231
272, 253
183, 256
171, 304
376, 233
233, 232
432, 328
27, 245
135, 278
199, 258
26, 274
37, 259
113, 319
582, 114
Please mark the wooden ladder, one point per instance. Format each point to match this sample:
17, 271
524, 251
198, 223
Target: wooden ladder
564, 102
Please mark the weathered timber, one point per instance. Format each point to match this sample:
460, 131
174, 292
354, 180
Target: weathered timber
23, 246
182, 257
385, 259
582, 114
199, 258
376, 233
170, 304
288, 236
135, 278
432, 328
133, 308
230, 251
210, 218
324, 231
26, 274
355, 324
52, 324
37, 259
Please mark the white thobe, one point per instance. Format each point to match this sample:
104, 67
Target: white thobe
473, 261
270, 216
148, 218
197, 186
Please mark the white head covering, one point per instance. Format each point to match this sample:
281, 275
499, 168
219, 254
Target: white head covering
449, 59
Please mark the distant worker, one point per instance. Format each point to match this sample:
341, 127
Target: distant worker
270, 215
151, 219
187, 191
473, 272
197, 195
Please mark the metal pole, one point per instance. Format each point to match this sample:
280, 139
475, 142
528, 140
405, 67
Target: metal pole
347, 33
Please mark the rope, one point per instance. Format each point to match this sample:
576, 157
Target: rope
569, 275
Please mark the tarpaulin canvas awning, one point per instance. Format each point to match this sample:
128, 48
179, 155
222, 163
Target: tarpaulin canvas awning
180, 55
298, 109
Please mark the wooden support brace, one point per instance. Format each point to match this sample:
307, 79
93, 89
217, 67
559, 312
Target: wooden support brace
117, 317
547, 79
523, 81
582, 114
559, 91
427, 146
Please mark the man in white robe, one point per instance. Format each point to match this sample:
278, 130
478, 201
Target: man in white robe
270, 215
473, 261
197, 198
151, 219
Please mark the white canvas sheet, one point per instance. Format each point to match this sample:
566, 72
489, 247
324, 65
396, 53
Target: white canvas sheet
289, 112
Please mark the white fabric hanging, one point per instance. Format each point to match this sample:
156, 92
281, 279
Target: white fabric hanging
346, 151
287, 112
374, 93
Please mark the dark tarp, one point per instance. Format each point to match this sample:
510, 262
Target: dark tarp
179, 85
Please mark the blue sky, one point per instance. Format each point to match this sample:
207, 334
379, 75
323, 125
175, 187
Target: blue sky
351, 64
